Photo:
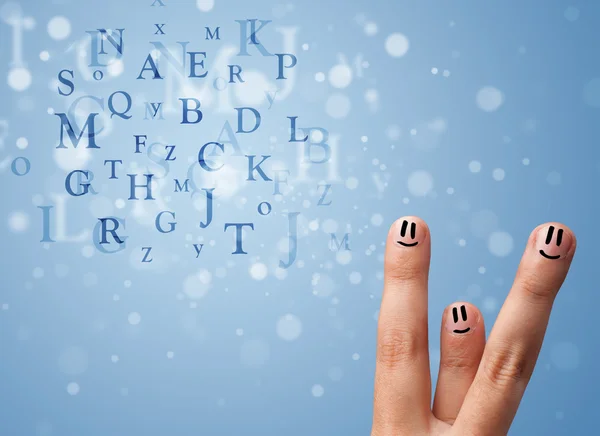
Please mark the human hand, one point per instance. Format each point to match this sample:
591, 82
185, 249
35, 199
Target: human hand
479, 385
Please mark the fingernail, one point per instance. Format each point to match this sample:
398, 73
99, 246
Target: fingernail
553, 242
409, 232
460, 319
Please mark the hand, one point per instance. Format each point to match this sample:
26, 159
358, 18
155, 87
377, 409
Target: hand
479, 385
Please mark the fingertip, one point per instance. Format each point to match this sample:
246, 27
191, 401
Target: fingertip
461, 318
409, 232
553, 241
407, 251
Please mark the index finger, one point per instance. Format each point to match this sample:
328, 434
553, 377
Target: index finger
515, 341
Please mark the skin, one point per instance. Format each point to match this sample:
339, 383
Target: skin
480, 385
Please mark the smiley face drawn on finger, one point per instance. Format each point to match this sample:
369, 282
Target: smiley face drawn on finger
405, 237
460, 324
559, 240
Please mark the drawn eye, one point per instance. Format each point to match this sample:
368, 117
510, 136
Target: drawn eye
404, 233
549, 236
463, 313
559, 236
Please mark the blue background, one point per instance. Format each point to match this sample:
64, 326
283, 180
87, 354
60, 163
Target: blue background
99, 344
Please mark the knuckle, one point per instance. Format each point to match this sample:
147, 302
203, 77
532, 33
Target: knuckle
398, 269
534, 288
457, 362
507, 368
396, 346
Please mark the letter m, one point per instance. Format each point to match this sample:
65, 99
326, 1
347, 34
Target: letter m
212, 35
65, 126
334, 245
179, 187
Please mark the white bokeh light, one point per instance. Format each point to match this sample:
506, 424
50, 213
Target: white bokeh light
317, 391
397, 45
351, 183
355, 277
258, 271
59, 28
22, 143
115, 67
377, 219
18, 221
323, 285
196, 286
289, 327
134, 318
71, 158
498, 174
340, 76
489, 99
475, 166
19, 78
205, 5
420, 183
73, 388
500, 244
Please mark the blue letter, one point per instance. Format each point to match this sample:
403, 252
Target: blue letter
171, 224
113, 232
238, 235
236, 74
145, 259
241, 119
186, 110
184, 187
280, 180
282, 66
113, 167
293, 131
193, 64
244, 38
252, 168
14, 169
293, 237
152, 68
212, 35
66, 125
138, 142
325, 191
209, 208
67, 82
333, 243
85, 186
154, 109
148, 187
201, 159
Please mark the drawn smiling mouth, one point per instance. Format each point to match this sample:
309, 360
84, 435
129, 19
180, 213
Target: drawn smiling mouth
407, 245
462, 331
547, 256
